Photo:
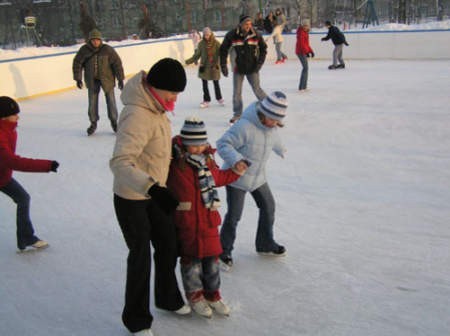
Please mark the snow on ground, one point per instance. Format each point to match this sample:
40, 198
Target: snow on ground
362, 207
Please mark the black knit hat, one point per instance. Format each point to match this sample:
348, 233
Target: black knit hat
167, 74
244, 18
8, 107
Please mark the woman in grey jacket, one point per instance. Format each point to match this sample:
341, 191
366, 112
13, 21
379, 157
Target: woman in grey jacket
144, 206
252, 139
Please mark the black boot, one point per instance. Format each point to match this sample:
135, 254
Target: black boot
332, 67
91, 129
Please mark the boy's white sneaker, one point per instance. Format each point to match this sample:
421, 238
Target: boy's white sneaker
183, 310
202, 308
144, 332
220, 307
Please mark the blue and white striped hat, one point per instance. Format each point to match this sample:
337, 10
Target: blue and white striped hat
274, 106
193, 132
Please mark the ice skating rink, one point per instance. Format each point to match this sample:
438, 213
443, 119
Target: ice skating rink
363, 208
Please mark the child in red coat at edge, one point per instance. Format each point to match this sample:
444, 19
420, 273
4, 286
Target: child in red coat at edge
193, 178
9, 161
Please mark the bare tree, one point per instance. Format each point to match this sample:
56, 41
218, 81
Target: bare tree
87, 23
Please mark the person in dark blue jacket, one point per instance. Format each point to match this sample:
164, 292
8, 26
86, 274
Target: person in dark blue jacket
338, 39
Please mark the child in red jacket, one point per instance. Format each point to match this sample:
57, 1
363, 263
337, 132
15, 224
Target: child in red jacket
193, 178
9, 161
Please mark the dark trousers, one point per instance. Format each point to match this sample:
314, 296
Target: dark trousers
143, 222
93, 103
206, 96
25, 231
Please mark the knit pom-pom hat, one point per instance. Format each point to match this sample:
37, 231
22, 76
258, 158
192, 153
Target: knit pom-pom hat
274, 106
193, 132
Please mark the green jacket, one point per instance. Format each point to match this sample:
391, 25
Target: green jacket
207, 70
102, 63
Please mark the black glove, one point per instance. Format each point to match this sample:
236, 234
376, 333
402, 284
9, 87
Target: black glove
312, 54
346, 44
163, 198
120, 84
224, 69
201, 68
258, 67
323, 39
308, 55
54, 166
80, 84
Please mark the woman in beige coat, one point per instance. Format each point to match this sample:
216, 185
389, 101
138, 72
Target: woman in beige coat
144, 206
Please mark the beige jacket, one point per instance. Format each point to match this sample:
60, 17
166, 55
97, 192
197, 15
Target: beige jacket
142, 151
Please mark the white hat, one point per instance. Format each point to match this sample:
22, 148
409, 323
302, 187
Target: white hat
274, 106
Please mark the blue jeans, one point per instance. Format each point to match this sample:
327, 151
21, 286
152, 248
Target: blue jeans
304, 76
25, 231
201, 276
93, 103
235, 201
238, 79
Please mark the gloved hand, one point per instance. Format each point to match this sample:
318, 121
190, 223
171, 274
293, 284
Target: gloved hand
120, 84
346, 44
80, 84
163, 198
224, 69
258, 67
323, 39
54, 166
312, 54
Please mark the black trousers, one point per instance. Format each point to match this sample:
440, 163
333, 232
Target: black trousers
217, 92
143, 222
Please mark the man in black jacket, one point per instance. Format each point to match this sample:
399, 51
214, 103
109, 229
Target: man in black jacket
247, 55
338, 39
102, 65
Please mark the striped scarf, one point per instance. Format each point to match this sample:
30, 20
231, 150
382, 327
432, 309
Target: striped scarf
208, 191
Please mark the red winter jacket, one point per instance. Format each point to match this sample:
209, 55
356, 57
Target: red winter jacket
197, 226
9, 161
302, 46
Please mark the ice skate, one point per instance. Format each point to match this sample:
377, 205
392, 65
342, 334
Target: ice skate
278, 251
204, 104
38, 245
91, 129
185, 310
202, 308
220, 307
226, 263
221, 102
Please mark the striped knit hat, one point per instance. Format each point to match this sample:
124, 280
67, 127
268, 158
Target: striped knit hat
274, 106
193, 132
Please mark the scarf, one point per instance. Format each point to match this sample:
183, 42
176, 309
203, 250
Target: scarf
208, 191
168, 106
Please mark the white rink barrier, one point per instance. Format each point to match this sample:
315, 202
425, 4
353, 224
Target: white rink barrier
36, 75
